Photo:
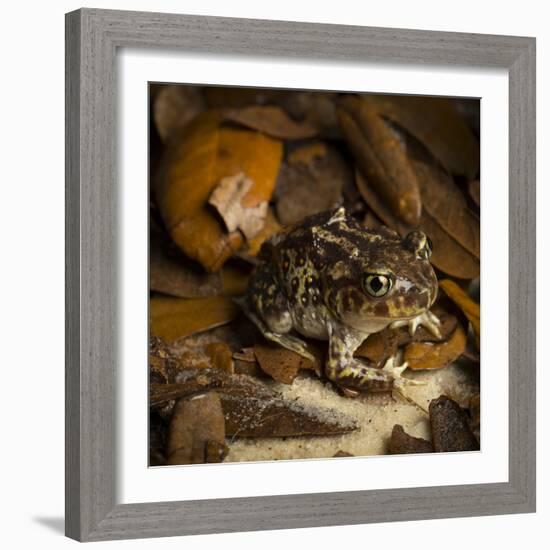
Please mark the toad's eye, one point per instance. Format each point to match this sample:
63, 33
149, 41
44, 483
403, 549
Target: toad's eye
377, 285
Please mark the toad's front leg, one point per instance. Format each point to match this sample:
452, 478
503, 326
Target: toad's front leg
427, 319
350, 373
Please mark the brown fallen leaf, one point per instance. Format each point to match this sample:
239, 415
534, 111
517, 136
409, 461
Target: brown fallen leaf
283, 365
175, 318
402, 443
171, 272
450, 427
163, 364
380, 346
436, 123
227, 197
315, 108
251, 408
205, 153
271, 120
197, 431
174, 107
446, 204
310, 181
220, 356
427, 355
470, 308
271, 416
448, 255
382, 157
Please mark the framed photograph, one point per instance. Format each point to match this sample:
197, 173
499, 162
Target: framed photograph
280, 238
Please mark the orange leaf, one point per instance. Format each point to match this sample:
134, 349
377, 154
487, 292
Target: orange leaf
175, 318
424, 355
205, 153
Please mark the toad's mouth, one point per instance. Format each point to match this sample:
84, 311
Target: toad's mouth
370, 325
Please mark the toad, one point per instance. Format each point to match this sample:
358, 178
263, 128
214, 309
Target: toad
330, 278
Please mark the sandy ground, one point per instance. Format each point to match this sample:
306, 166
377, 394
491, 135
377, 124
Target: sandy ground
375, 414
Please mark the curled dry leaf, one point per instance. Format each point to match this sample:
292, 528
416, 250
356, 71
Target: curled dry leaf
436, 123
171, 272
174, 107
175, 318
402, 443
205, 153
470, 308
450, 427
283, 365
310, 181
228, 196
427, 355
234, 278
448, 255
380, 154
197, 431
271, 120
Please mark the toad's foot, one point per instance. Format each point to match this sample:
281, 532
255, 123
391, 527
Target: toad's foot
427, 319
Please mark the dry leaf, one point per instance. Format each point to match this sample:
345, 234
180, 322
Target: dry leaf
283, 365
315, 108
251, 408
381, 155
163, 364
227, 197
171, 272
220, 356
310, 181
175, 318
197, 431
402, 443
174, 107
271, 416
193, 166
450, 427
448, 255
465, 303
235, 278
446, 204
380, 346
427, 355
436, 123
271, 120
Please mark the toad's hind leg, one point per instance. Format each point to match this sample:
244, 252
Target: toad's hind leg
267, 307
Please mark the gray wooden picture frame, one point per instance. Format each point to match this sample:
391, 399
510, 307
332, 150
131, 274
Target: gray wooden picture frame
92, 39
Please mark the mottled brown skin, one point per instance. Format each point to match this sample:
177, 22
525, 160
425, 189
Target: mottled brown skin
314, 280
